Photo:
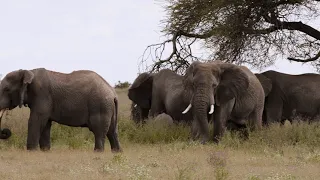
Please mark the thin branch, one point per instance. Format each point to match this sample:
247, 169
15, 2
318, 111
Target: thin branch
317, 56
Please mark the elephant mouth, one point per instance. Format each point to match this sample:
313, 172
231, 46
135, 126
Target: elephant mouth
211, 103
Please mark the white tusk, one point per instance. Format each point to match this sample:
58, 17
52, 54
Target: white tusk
135, 105
211, 109
187, 109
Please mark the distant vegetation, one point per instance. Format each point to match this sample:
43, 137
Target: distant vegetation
122, 85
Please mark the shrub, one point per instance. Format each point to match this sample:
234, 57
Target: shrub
122, 85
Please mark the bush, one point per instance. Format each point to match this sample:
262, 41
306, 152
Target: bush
122, 85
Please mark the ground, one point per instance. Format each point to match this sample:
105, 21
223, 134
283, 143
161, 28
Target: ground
161, 152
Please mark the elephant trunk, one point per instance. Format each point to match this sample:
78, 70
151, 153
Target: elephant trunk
203, 102
4, 133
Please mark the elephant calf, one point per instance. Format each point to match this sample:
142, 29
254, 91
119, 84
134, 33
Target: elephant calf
79, 99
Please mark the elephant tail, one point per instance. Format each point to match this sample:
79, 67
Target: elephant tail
115, 115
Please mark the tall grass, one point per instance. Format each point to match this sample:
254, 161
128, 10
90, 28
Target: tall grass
274, 138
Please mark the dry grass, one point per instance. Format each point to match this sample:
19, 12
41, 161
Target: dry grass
151, 152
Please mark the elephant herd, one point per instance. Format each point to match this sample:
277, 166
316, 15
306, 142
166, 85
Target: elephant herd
230, 96
226, 94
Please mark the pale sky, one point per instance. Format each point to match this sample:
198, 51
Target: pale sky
104, 36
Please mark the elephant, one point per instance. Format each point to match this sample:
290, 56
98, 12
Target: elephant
4, 133
78, 99
227, 92
162, 92
289, 95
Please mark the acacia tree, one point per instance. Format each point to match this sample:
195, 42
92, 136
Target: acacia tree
255, 32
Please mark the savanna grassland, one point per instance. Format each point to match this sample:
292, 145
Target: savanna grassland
159, 151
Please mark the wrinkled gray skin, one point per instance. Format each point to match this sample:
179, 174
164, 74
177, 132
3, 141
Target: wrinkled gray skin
289, 95
79, 99
235, 92
161, 92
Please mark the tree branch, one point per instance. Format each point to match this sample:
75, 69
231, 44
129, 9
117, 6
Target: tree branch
317, 56
299, 26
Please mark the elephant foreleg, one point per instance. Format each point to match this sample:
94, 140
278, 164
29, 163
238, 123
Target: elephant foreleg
221, 115
45, 143
36, 125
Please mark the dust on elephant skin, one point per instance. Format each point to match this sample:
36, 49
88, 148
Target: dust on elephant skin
79, 99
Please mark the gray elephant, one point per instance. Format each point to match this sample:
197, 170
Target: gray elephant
229, 92
289, 95
162, 92
79, 99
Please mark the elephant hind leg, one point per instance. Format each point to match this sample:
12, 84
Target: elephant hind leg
99, 124
113, 136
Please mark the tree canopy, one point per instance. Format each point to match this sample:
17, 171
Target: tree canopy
255, 32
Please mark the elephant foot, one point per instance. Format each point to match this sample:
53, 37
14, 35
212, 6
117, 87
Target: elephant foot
116, 150
31, 147
44, 149
98, 150
204, 141
216, 140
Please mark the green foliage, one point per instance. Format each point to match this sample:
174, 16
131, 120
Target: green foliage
251, 32
122, 85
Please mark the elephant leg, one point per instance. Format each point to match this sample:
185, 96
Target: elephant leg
99, 124
255, 120
36, 125
44, 142
157, 107
221, 115
273, 110
113, 136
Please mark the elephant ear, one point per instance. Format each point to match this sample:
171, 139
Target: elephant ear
26, 77
265, 82
234, 82
140, 91
188, 77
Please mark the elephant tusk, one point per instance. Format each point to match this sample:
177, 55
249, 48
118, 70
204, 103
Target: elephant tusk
211, 109
187, 109
135, 105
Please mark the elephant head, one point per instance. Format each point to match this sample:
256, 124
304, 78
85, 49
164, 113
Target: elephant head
13, 89
213, 83
140, 92
4, 133
265, 82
